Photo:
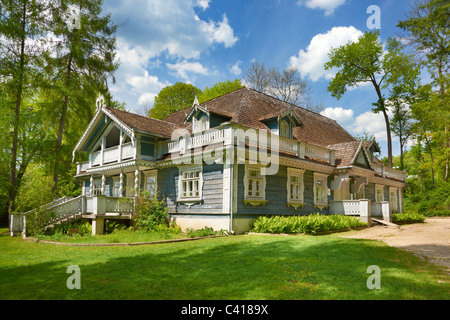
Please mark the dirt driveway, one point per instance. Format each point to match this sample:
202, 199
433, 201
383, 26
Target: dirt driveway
429, 240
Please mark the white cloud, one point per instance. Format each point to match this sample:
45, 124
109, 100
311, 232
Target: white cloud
183, 68
236, 69
310, 62
342, 116
151, 32
328, 5
204, 4
220, 32
370, 122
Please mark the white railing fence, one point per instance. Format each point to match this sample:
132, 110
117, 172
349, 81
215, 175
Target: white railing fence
66, 208
363, 208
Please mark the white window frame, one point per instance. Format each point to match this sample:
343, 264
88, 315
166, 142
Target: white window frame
148, 174
297, 201
393, 200
379, 187
321, 190
254, 195
183, 177
200, 125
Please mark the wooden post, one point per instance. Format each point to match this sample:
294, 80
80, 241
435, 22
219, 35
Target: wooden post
121, 184
136, 182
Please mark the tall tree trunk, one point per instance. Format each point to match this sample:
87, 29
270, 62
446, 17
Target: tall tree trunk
386, 120
62, 121
432, 159
442, 93
13, 180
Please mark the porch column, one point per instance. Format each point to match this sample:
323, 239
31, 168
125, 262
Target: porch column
400, 200
136, 182
103, 184
91, 187
121, 185
364, 210
97, 226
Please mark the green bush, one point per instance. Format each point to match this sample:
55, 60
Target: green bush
204, 232
150, 212
310, 224
406, 218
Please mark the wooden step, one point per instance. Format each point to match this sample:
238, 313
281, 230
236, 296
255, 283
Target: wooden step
386, 223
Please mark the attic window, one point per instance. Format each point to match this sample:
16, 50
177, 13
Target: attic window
284, 129
201, 124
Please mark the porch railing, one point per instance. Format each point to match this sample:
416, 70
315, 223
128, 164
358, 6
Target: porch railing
362, 208
66, 208
226, 135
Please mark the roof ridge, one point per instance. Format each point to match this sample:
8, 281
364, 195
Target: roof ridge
141, 116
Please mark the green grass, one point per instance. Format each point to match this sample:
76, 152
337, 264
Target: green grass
118, 236
233, 267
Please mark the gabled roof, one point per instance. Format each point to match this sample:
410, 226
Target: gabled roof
129, 122
347, 153
142, 123
250, 108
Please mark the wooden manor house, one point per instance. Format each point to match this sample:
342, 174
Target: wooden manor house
226, 161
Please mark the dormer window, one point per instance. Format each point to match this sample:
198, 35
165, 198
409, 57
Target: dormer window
285, 129
200, 124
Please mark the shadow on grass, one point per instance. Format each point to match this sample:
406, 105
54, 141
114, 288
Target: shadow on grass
241, 267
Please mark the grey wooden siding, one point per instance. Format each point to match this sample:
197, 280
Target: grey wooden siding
276, 195
212, 190
369, 192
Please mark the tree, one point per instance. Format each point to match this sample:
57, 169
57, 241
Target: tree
172, 99
401, 123
21, 23
428, 33
78, 65
257, 77
219, 89
286, 85
365, 61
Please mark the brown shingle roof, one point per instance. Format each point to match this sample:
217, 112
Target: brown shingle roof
344, 152
248, 107
141, 123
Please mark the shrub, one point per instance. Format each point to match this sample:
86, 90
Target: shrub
407, 218
310, 224
150, 212
204, 232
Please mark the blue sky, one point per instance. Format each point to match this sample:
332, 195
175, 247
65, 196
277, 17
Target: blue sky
160, 42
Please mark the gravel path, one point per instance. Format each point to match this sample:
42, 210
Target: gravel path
429, 240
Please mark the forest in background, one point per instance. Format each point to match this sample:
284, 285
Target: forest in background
52, 73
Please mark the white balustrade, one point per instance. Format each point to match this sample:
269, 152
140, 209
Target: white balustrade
111, 154
316, 152
288, 145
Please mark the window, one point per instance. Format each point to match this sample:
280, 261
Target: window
294, 187
320, 190
393, 198
201, 124
150, 183
254, 186
284, 129
190, 183
379, 194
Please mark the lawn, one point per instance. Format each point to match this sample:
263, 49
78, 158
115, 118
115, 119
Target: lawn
232, 267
